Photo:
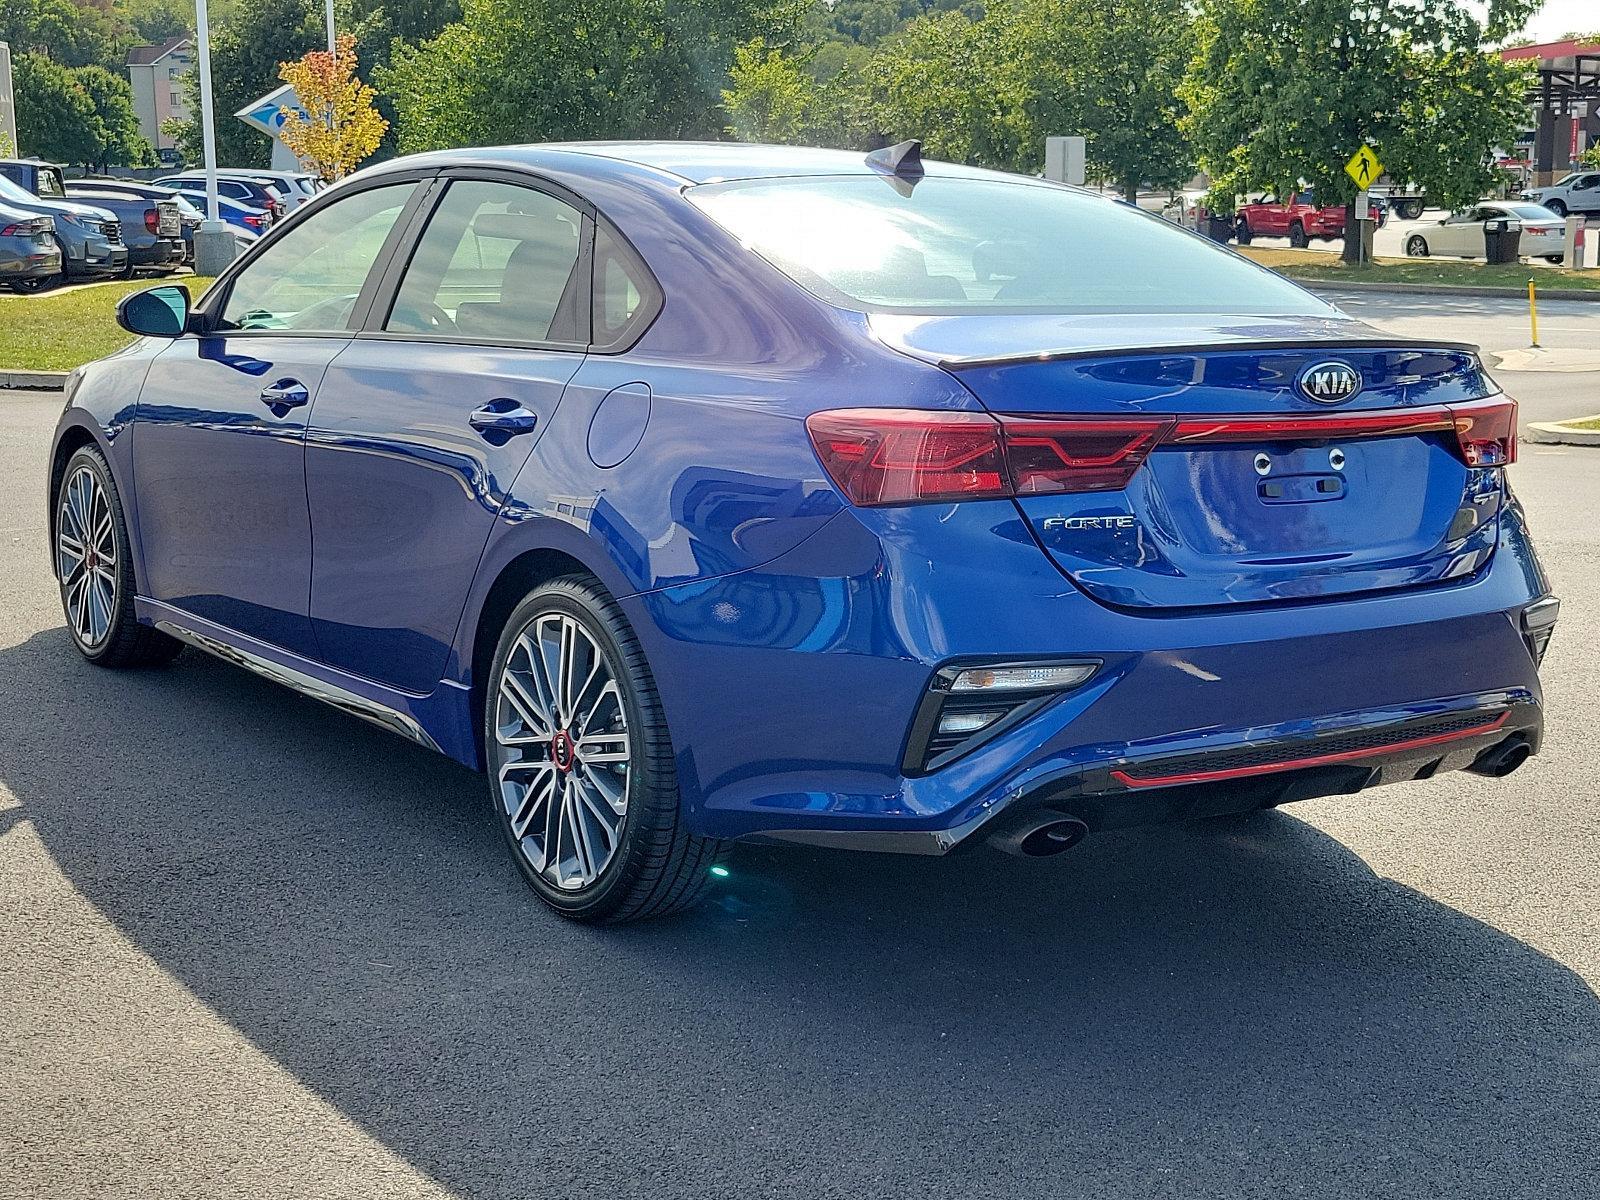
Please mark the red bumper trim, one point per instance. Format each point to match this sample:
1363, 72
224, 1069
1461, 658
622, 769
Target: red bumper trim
1315, 760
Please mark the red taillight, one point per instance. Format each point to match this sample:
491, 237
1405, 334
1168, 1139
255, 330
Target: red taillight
1078, 455
901, 456
152, 220
1486, 432
253, 221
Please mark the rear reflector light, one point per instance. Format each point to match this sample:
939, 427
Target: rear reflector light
901, 456
907, 456
152, 220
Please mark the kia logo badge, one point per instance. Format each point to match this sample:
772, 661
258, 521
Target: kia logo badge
1329, 382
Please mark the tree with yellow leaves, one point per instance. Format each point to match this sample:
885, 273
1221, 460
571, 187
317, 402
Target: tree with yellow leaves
339, 126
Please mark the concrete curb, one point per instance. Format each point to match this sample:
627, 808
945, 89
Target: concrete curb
1442, 289
1558, 433
34, 381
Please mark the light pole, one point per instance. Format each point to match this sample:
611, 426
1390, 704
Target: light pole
214, 247
332, 44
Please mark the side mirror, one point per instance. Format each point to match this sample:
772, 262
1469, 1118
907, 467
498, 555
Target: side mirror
156, 312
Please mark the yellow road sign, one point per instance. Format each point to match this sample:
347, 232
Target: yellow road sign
1364, 167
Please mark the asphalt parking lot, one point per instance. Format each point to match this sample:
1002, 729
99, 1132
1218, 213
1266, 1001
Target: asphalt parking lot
250, 946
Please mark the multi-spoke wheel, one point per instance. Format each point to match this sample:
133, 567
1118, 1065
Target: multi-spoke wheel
580, 764
91, 553
86, 557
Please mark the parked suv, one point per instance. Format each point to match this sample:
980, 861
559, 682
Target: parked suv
30, 259
1299, 218
152, 229
296, 187
1577, 193
89, 236
252, 192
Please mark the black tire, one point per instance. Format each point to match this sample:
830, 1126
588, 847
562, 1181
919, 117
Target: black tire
1557, 206
1410, 210
1416, 246
655, 866
1241, 232
1297, 236
125, 642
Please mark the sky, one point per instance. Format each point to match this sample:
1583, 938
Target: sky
1561, 16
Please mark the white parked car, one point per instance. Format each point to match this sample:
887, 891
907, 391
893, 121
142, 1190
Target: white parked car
1460, 235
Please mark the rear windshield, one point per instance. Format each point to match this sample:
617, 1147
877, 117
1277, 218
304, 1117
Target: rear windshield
979, 245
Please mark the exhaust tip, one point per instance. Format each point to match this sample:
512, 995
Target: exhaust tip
1041, 835
1499, 761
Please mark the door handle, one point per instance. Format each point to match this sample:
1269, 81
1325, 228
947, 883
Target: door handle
500, 420
285, 394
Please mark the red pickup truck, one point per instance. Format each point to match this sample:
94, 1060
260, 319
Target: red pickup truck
1299, 219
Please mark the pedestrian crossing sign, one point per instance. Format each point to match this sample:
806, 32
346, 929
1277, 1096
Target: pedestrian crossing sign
1364, 167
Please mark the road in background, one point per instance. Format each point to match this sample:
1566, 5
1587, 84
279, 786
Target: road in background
254, 947
1498, 325
1389, 241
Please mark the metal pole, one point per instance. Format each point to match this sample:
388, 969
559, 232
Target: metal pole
332, 41
1533, 314
208, 129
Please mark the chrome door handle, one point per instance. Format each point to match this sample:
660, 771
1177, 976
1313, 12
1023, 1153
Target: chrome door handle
502, 419
285, 394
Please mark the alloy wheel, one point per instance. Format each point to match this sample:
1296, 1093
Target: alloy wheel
86, 557
563, 753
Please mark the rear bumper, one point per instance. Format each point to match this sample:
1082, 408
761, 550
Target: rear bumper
30, 265
817, 680
158, 252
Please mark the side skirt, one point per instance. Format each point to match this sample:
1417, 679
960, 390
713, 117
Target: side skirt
418, 719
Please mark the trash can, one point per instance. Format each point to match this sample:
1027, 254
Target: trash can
1502, 241
1219, 229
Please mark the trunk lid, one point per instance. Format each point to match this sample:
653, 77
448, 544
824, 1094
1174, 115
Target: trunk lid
1297, 499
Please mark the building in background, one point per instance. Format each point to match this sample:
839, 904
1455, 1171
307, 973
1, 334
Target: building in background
156, 73
8, 108
1564, 104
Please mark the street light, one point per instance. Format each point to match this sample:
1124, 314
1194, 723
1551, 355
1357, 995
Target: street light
214, 247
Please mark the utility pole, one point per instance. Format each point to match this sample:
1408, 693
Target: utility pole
214, 246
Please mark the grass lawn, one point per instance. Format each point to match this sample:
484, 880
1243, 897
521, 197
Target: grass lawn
56, 331
1589, 423
1327, 268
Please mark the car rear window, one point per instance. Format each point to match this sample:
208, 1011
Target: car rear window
952, 244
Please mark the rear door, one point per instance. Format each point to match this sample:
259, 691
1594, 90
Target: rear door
423, 423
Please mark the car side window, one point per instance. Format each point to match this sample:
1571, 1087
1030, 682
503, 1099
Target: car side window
625, 296
307, 280
498, 262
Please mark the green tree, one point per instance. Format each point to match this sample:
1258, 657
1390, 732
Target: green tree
55, 117
1110, 71
153, 22
117, 137
511, 71
771, 97
70, 34
1283, 92
245, 55
952, 82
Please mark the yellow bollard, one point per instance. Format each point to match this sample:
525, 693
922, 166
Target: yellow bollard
1533, 314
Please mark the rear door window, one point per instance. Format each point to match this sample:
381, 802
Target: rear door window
498, 263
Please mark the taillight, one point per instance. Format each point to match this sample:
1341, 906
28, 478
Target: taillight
906, 456
902, 456
152, 220
253, 221
1486, 432
1078, 455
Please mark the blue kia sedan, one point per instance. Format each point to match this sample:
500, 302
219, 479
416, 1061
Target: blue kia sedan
699, 493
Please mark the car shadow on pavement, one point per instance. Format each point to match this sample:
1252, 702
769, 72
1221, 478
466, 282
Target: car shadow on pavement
1231, 1010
